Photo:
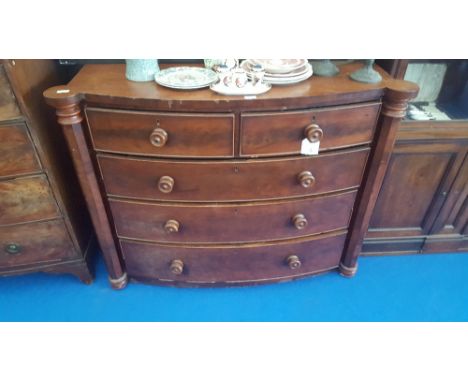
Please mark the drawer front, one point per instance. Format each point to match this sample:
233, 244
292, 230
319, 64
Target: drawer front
8, 106
269, 134
162, 134
17, 155
169, 223
208, 265
34, 243
26, 199
232, 180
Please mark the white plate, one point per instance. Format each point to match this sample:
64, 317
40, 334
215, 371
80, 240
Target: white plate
247, 66
290, 80
280, 65
248, 89
186, 77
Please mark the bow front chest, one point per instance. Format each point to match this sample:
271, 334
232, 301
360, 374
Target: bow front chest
195, 188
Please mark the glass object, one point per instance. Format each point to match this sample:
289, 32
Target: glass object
367, 74
141, 70
443, 94
325, 68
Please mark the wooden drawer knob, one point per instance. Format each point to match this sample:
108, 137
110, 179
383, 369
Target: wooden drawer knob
166, 184
177, 267
306, 179
158, 137
13, 248
172, 226
313, 133
299, 221
293, 262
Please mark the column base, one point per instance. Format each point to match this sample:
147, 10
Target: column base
347, 271
119, 283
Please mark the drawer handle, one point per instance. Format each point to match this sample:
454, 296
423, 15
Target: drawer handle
293, 262
313, 133
172, 226
177, 267
13, 248
299, 221
158, 137
306, 179
166, 184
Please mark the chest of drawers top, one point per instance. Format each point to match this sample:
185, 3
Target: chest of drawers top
106, 85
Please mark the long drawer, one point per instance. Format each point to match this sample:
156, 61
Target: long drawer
281, 133
33, 243
227, 223
26, 199
232, 180
241, 264
17, 154
162, 134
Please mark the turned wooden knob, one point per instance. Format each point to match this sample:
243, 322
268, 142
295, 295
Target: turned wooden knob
177, 267
165, 184
306, 179
172, 226
313, 133
293, 262
299, 221
158, 137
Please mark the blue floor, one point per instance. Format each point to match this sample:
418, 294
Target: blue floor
403, 288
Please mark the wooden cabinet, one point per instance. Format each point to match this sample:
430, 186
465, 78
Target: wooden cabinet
422, 206
194, 188
44, 224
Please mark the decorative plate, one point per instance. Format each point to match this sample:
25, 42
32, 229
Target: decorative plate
247, 66
186, 77
289, 80
280, 65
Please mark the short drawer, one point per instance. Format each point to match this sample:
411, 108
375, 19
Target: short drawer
234, 265
17, 155
270, 134
232, 180
227, 223
26, 199
33, 243
162, 134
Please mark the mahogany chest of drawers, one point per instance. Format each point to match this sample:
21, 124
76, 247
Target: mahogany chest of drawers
44, 224
194, 188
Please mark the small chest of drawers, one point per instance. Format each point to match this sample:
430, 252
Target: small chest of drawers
193, 188
43, 223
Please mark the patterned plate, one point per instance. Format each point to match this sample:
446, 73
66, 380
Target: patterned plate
186, 77
247, 66
280, 65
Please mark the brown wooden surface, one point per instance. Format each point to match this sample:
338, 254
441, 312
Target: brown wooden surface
29, 79
267, 134
393, 109
17, 154
106, 86
188, 135
232, 180
53, 194
40, 242
26, 199
233, 265
429, 159
428, 170
8, 105
453, 216
70, 118
227, 223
